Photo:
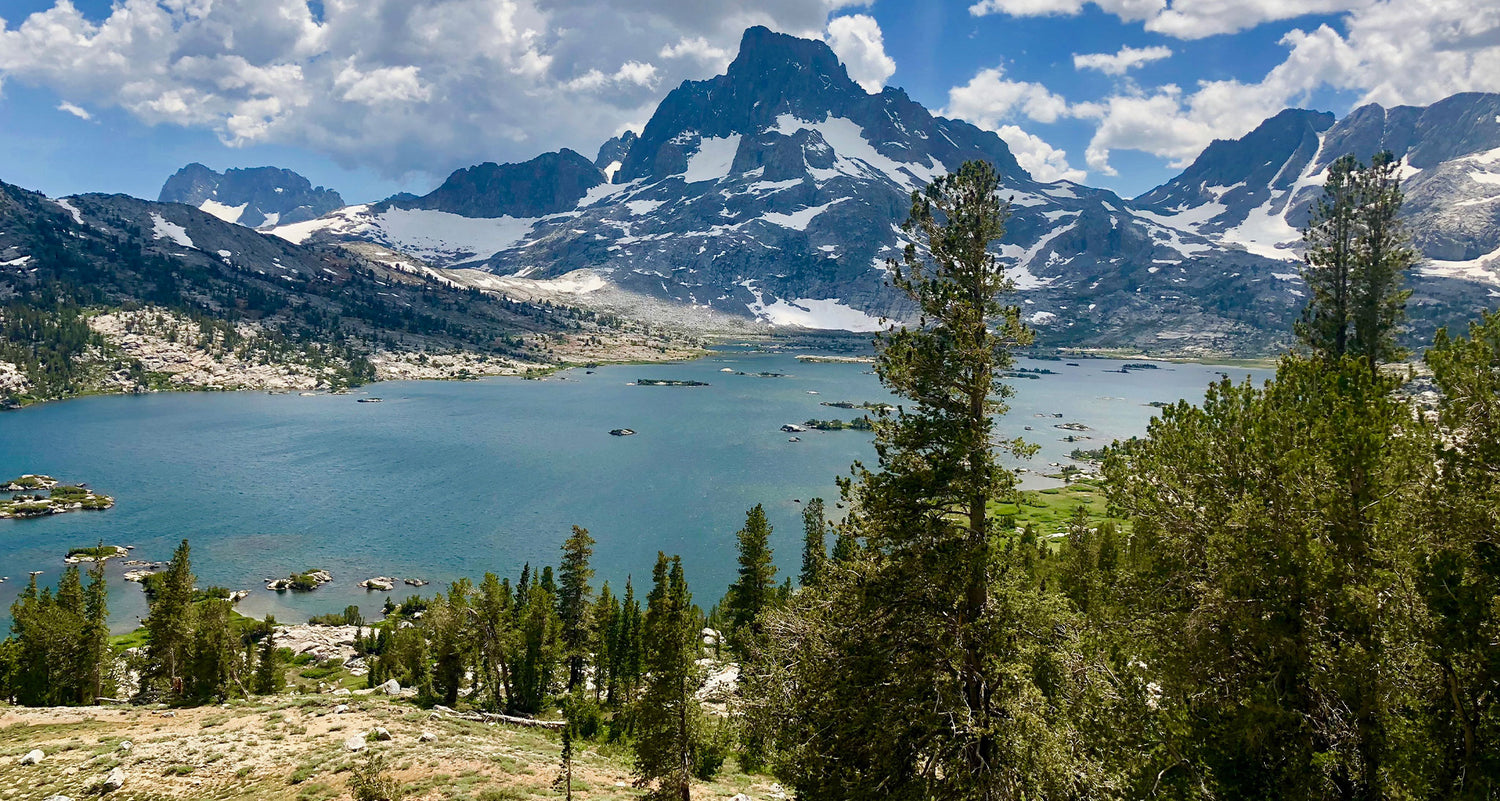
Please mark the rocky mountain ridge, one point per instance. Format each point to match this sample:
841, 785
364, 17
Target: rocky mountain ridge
256, 197
775, 191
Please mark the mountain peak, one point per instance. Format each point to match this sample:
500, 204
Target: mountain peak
766, 54
256, 197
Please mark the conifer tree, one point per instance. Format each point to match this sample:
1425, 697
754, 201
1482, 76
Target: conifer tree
1328, 263
494, 640
668, 725
169, 625
814, 543
1384, 255
628, 645
755, 588
929, 665
574, 602
446, 624
96, 656
270, 675
606, 621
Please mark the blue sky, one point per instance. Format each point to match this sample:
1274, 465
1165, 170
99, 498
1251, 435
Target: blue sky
371, 97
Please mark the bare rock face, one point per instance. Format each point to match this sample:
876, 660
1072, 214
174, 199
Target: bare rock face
258, 197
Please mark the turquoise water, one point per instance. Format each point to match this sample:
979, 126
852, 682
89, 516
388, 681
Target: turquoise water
448, 479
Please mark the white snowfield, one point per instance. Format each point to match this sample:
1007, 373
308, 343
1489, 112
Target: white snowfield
825, 314
855, 156
713, 159
437, 236
162, 228
225, 212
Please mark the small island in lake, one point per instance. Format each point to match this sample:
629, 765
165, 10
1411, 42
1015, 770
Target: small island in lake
97, 553
300, 582
663, 382
622, 432
857, 424
59, 498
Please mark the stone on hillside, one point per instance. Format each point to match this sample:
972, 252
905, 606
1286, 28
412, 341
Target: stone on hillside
391, 687
354, 742
126, 745
343, 691
57, 798
341, 709
33, 756
426, 737
114, 781
380, 734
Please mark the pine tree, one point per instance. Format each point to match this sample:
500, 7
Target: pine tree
814, 543
606, 621
1328, 264
755, 588
539, 650
1457, 568
445, 624
96, 656
574, 602
929, 665
1384, 255
1357, 251
628, 645
494, 640
169, 626
270, 676
668, 715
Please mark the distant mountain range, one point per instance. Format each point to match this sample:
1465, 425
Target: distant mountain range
259, 197
775, 191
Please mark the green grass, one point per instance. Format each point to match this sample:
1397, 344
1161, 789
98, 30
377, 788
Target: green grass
1049, 509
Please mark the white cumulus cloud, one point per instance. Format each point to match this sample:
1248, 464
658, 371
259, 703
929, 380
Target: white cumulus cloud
1395, 52
989, 98
857, 40
402, 87
1042, 160
77, 111
1119, 63
1184, 19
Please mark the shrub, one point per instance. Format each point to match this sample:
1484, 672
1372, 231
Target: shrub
368, 781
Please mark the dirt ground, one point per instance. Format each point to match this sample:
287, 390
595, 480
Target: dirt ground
293, 747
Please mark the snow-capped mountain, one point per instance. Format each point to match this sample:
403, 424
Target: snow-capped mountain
1257, 192
776, 191
259, 197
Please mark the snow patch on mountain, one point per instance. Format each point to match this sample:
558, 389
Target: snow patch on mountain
1485, 269
856, 156
70, 208
713, 159
431, 235
1265, 231
828, 314
227, 213
799, 220
162, 228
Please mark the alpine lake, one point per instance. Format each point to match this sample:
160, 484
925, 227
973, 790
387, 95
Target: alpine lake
449, 479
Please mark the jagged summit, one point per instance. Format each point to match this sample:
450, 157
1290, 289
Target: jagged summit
1257, 191
256, 197
547, 184
775, 191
